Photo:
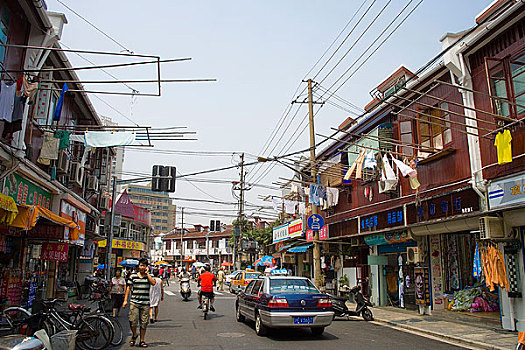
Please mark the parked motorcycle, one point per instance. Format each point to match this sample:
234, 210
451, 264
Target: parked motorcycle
362, 308
185, 289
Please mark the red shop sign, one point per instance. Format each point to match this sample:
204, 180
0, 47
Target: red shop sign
323, 234
54, 251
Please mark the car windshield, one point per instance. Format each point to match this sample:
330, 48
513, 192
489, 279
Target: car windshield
251, 275
291, 285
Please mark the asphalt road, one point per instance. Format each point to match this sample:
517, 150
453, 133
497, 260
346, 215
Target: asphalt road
181, 326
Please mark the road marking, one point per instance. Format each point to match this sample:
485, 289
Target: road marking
219, 293
169, 292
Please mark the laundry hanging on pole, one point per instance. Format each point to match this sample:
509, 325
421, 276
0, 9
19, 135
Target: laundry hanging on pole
289, 206
388, 180
60, 104
108, 138
503, 144
277, 204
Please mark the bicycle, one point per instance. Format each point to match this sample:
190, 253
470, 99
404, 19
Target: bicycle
118, 335
13, 319
95, 332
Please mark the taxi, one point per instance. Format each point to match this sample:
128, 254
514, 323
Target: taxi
241, 280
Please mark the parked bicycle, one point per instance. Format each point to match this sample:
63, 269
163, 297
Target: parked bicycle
13, 319
95, 332
101, 300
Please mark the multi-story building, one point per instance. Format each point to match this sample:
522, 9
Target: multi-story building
117, 161
51, 183
158, 203
430, 180
198, 244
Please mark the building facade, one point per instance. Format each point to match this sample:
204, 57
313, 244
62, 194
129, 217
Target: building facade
198, 244
160, 205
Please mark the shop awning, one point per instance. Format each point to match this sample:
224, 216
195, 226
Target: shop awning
29, 215
8, 209
285, 247
300, 249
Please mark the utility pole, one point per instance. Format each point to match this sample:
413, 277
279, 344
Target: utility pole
109, 236
313, 174
181, 241
237, 241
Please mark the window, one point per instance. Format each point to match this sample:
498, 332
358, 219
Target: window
249, 287
506, 79
256, 287
168, 245
190, 244
4, 30
289, 285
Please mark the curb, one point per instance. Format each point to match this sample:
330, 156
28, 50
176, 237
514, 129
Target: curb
449, 338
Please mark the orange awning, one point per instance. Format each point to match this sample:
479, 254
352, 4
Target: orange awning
28, 216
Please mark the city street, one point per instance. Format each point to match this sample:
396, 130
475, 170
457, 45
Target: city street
181, 326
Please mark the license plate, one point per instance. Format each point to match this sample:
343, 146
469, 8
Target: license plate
303, 320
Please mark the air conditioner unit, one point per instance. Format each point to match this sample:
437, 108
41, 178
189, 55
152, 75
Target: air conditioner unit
92, 183
76, 174
63, 162
413, 255
104, 203
491, 227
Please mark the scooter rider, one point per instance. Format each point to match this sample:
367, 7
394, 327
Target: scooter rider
184, 274
206, 281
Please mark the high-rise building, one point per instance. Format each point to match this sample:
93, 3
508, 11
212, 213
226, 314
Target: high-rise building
117, 162
159, 203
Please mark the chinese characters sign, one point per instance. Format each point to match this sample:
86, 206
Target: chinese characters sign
124, 244
508, 191
25, 192
295, 228
323, 234
76, 215
280, 233
54, 251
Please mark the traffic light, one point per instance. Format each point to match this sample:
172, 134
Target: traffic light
218, 225
163, 178
212, 225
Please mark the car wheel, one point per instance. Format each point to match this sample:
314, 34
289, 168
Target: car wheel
238, 316
260, 329
317, 331
367, 315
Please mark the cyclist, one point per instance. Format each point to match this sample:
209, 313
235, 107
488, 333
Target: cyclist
206, 281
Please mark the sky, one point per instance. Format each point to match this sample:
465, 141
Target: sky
259, 52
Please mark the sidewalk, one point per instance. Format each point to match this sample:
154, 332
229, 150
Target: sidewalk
464, 330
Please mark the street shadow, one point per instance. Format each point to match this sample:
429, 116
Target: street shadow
293, 334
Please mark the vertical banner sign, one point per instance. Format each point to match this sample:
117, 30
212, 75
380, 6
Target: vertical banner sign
436, 271
33, 286
422, 286
323, 234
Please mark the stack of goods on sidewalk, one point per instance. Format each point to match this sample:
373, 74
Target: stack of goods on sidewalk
475, 299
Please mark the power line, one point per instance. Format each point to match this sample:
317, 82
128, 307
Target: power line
358, 39
95, 27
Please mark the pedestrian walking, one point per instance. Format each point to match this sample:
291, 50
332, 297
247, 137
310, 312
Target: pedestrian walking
194, 272
221, 276
138, 287
117, 288
156, 295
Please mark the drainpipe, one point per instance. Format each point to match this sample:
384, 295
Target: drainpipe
477, 182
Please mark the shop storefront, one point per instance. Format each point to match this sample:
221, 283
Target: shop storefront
123, 249
284, 237
507, 198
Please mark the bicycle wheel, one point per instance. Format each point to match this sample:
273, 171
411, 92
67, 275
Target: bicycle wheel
118, 336
95, 333
17, 318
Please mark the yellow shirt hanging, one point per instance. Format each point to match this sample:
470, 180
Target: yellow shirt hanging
504, 146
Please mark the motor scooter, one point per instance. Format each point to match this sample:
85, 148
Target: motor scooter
362, 308
185, 289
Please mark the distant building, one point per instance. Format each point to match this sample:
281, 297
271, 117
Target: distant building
160, 205
117, 162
